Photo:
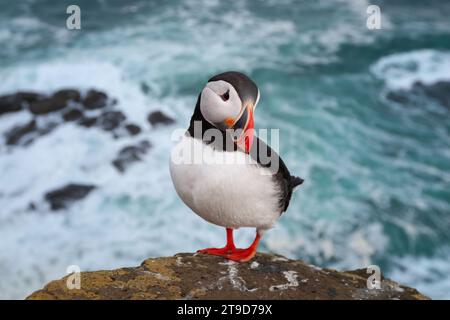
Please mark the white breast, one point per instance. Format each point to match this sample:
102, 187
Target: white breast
225, 188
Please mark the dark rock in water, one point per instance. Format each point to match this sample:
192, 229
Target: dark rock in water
47, 105
127, 130
110, 120
67, 94
29, 96
95, 100
59, 100
63, 197
133, 129
69, 101
188, 276
398, 96
158, 118
17, 133
145, 88
16, 102
32, 206
27, 133
10, 104
72, 115
130, 154
439, 92
87, 122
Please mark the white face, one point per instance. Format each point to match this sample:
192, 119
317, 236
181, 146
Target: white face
219, 102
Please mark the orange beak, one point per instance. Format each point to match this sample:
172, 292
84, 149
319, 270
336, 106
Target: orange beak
243, 128
245, 141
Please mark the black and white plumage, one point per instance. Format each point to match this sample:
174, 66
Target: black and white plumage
240, 181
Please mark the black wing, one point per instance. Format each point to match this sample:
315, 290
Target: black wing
266, 157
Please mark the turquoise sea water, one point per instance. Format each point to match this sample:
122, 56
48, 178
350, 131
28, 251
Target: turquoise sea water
377, 172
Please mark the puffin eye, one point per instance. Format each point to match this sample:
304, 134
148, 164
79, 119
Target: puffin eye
226, 95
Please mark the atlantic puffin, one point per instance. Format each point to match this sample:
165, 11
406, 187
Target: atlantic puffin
226, 174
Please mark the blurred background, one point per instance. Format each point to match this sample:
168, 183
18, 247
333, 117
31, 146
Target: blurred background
364, 117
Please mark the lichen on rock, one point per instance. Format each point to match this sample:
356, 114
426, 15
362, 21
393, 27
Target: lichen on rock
197, 276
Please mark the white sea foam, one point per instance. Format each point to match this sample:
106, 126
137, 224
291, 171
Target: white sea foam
427, 274
352, 250
126, 219
74, 72
38, 246
402, 70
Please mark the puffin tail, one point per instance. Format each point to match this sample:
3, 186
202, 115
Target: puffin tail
295, 182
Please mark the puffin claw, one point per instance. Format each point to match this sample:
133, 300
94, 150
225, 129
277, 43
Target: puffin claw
230, 252
223, 252
234, 254
242, 255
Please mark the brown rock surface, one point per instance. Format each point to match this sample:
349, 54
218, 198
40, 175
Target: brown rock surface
192, 276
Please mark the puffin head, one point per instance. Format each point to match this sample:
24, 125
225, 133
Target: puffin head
227, 102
